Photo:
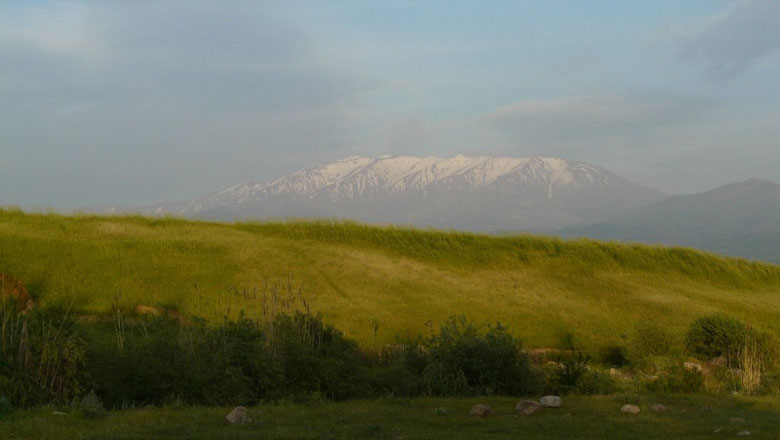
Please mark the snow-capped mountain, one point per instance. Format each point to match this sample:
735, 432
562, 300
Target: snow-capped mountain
473, 193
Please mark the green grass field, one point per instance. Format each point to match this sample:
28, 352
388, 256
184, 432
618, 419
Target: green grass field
599, 418
398, 281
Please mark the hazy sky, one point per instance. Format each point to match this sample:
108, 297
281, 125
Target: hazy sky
134, 102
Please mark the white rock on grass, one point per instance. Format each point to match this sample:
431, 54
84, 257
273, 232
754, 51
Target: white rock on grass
237, 416
630, 409
480, 410
550, 401
528, 407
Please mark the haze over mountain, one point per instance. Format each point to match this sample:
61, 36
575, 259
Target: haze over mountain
473, 193
740, 219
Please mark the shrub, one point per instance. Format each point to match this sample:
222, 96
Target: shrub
573, 368
615, 356
678, 379
316, 357
5, 407
721, 335
464, 360
90, 406
41, 357
596, 382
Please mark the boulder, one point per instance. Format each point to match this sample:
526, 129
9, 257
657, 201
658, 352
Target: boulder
528, 407
743, 433
480, 410
550, 401
692, 366
719, 361
658, 408
630, 409
237, 416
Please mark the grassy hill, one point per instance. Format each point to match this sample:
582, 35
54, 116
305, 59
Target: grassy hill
378, 284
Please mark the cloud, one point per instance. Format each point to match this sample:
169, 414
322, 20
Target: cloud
594, 118
732, 41
146, 99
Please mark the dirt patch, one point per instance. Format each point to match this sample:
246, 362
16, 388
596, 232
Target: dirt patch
143, 309
12, 288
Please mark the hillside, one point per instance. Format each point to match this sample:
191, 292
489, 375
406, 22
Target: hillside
740, 219
393, 280
470, 193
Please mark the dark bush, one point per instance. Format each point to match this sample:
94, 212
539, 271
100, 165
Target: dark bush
464, 360
615, 356
678, 379
316, 358
573, 367
596, 382
5, 407
721, 335
40, 358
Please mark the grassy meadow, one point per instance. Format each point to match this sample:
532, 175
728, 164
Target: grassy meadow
688, 417
379, 284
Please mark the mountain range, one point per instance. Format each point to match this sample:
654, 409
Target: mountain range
740, 219
504, 194
485, 194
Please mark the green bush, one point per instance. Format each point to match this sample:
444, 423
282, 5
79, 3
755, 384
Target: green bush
615, 356
678, 379
90, 406
596, 382
5, 407
721, 335
316, 358
573, 368
465, 360
41, 358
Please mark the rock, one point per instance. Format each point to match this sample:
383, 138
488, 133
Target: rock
658, 408
59, 413
528, 407
737, 421
719, 361
237, 416
480, 410
692, 366
743, 433
630, 409
550, 401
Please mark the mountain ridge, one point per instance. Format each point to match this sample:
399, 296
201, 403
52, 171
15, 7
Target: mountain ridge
532, 193
738, 219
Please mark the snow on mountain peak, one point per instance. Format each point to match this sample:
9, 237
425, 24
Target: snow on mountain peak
478, 192
356, 176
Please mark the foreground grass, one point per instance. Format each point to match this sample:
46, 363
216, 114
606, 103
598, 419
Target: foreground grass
688, 417
377, 284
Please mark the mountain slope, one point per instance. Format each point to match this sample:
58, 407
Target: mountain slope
473, 193
741, 219
357, 276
